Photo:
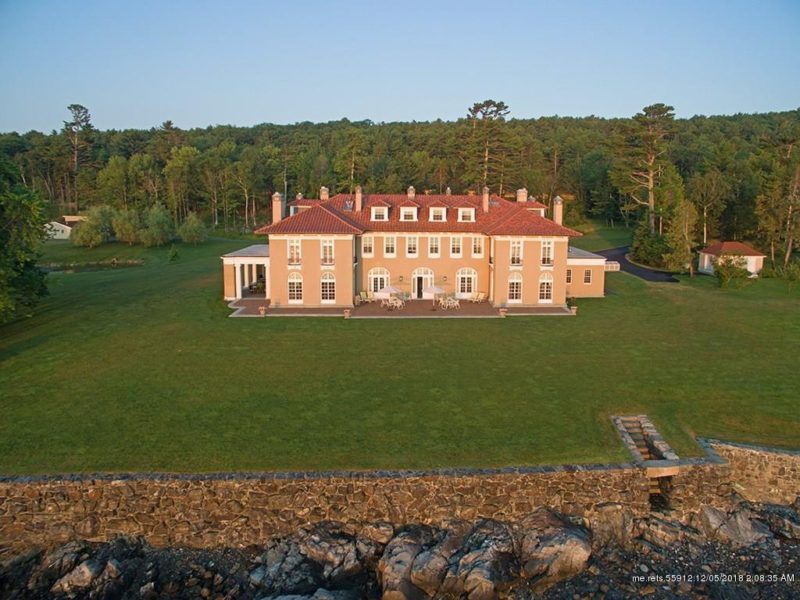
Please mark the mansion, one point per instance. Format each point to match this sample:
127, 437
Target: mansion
331, 251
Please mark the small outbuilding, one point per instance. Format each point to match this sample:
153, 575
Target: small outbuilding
58, 231
751, 259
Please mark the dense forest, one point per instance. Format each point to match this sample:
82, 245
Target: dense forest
682, 182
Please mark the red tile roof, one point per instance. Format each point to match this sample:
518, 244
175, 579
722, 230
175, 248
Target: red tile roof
337, 215
317, 219
731, 248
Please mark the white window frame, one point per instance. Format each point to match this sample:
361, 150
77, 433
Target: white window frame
466, 274
368, 239
409, 253
295, 278
466, 215
511, 246
436, 254
299, 254
378, 273
546, 293
408, 213
547, 253
477, 240
323, 244
327, 277
587, 277
569, 276
379, 210
386, 253
453, 239
515, 278
435, 210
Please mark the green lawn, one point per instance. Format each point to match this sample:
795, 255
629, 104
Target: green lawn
598, 236
140, 369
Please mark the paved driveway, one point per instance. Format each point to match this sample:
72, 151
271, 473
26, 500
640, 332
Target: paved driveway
618, 254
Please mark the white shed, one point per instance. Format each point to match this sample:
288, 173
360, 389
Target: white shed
58, 231
752, 259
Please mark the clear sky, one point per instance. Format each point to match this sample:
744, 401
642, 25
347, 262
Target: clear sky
140, 62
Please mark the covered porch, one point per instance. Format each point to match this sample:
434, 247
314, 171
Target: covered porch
246, 273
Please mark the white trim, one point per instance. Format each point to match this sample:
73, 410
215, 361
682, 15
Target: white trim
374, 212
511, 245
438, 239
470, 212
466, 273
371, 253
290, 280
595, 262
322, 244
483, 246
517, 277
404, 210
321, 281
412, 254
394, 243
460, 253
433, 209
293, 236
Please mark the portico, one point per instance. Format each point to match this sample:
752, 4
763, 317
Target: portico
246, 272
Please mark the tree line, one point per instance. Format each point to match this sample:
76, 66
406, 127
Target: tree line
686, 181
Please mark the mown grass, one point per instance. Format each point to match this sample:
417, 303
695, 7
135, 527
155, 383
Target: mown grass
140, 369
599, 236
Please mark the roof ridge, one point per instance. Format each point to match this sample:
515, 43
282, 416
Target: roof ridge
346, 220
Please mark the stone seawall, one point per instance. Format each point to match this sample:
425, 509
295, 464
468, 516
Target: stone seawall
762, 474
241, 509
238, 510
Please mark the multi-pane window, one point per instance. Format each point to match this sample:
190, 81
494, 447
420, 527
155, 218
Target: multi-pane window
587, 276
389, 248
455, 247
408, 213
380, 213
546, 287
477, 247
437, 214
466, 215
367, 247
412, 246
466, 281
327, 252
516, 252
515, 288
328, 288
433, 247
377, 278
569, 275
295, 287
547, 252
294, 252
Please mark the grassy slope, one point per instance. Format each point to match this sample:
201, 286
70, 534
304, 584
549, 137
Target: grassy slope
140, 369
597, 236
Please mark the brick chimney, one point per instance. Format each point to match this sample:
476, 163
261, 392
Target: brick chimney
299, 196
485, 199
411, 192
323, 193
522, 195
278, 207
558, 209
358, 198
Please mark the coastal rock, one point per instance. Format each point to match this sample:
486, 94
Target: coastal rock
81, 576
552, 548
739, 528
611, 523
394, 567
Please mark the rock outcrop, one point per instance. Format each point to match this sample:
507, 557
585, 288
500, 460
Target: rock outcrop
547, 555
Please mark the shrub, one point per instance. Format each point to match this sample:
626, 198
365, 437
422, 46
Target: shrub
96, 229
731, 272
173, 253
648, 248
126, 226
790, 272
193, 231
157, 229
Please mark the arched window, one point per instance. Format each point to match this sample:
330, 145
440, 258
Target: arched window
377, 279
295, 288
546, 288
466, 282
515, 287
421, 278
328, 288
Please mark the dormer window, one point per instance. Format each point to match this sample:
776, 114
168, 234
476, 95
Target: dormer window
408, 213
437, 213
380, 213
466, 215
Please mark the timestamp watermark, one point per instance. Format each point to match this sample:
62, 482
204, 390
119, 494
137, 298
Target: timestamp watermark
656, 578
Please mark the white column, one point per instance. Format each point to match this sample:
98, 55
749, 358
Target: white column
238, 281
266, 281
254, 267
246, 275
